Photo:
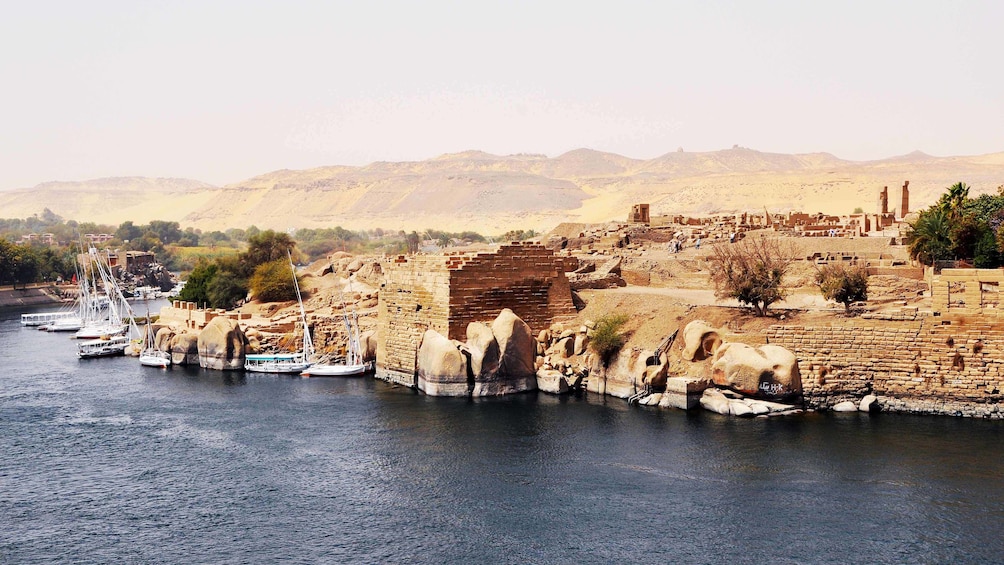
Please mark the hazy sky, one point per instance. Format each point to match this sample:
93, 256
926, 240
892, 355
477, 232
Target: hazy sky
221, 91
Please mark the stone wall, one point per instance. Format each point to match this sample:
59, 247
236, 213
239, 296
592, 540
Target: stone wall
447, 292
967, 292
929, 366
415, 297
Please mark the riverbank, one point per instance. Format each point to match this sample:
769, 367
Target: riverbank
32, 295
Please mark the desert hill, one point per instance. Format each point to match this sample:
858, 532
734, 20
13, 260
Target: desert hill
493, 193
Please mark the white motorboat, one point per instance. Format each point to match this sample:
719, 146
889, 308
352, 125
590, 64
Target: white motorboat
46, 318
105, 347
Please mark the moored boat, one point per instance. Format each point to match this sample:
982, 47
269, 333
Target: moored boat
103, 347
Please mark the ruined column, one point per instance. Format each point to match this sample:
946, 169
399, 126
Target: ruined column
883, 201
904, 207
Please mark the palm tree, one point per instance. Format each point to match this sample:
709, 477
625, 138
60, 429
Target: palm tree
929, 238
953, 200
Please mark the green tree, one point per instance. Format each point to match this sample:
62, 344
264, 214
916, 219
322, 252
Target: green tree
844, 285
197, 284
413, 242
752, 271
954, 198
273, 282
986, 254
265, 247
226, 290
929, 238
127, 231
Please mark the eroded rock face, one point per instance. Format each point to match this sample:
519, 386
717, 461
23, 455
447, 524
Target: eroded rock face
368, 345
517, 349
442, 368
700, 341
184, 348
768, 371
222, 345
485, 354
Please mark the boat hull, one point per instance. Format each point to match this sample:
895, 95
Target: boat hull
356, 370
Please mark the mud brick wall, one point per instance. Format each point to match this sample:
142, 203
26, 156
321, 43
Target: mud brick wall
447, 292
931, 366
527, 278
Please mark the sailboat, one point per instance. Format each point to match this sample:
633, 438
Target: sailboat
292, 363
112, 335
150, 356
354, 364
96, 324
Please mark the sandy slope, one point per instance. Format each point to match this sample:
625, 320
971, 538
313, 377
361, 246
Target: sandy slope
490, 193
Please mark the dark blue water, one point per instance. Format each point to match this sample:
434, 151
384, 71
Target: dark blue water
108, 461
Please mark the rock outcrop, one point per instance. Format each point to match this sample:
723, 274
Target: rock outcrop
700, 341
496, 360
184, 349
768, 371
222, 345
442, 368
517, 350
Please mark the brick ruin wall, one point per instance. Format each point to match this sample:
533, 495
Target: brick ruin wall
447, 292
527, 279
929, 366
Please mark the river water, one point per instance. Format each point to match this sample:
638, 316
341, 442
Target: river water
107, 461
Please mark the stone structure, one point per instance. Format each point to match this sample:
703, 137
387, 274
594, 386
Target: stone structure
967, 292
639, 214
930, 366
904, 207
190, 316
447, 292
883, 201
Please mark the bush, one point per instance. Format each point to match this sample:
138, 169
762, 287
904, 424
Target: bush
273, 282
607, 338
752, 271
842, 284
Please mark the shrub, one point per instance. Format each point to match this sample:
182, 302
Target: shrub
842, 284
607, 337
752, 271
273, 282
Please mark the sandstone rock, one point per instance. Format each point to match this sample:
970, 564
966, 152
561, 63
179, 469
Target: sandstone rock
442, 368
162, 339
552, 382
581, 342
184, 349
516, 345
766, 372
544, 337
845, 406
869, 404
740, 408
222, 345
517, 350
368, 345
715, 401
484, 350
700, 341
354, 266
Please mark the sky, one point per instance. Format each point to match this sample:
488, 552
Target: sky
222, 91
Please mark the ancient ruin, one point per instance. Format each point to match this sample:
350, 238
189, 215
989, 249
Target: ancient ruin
445, 293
